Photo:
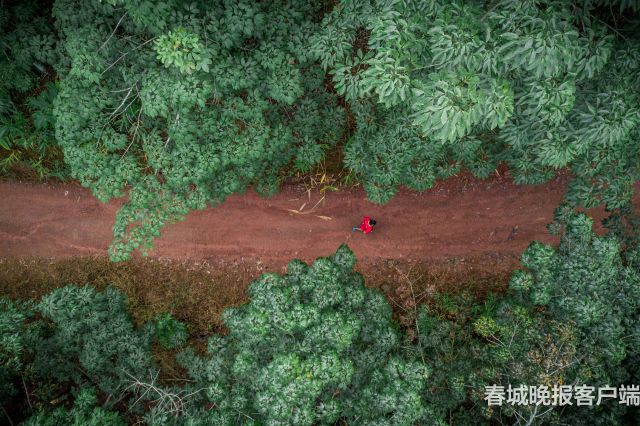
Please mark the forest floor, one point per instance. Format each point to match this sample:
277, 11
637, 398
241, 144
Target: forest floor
462, 235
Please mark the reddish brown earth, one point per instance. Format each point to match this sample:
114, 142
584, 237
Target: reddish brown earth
461, 218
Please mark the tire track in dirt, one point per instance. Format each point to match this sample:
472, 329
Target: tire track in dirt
458, 218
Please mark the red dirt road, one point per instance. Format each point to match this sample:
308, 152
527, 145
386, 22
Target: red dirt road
460, 218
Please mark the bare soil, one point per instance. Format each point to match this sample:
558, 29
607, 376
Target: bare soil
460, 218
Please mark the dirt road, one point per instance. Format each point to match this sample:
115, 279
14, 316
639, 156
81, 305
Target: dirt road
459, 218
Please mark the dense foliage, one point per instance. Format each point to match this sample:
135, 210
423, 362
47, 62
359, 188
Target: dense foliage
314, 346
29, 46
571, 318
74, 337
177, 104
539, 85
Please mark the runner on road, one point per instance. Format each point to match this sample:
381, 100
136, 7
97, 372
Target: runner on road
366, 226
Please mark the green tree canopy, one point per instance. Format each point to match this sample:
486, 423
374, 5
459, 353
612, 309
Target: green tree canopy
311, 347
174, 105
179, 104
315, 346
571, 317
438, 85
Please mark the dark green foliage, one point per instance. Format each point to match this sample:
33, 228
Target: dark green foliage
29, 43
15, 339
540, 85
311, 347
170, 332
83, 413
91, 339
180, 104
571, 317
73, 338
585, 280
469, 345
314, 346
624, 223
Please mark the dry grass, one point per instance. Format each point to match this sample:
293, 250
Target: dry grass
409, 284
197, 293
193, 293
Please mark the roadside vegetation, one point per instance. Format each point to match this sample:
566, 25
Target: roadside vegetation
174, 105
315, 346
177, 104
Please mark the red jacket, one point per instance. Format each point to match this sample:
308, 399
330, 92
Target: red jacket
366, 228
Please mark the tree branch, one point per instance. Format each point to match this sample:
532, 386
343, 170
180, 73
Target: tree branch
113, 32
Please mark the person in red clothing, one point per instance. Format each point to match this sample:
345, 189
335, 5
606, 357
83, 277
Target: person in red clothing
366, 226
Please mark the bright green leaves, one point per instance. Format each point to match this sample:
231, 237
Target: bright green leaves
388, 79
522, 70
451, 47
448, 107
347, 78
556, 148
538, 40
315, 346
498, 103
289, 380
608, 118
457, 39
332, 45
541, 127
547, 100
164, 94
183, 50
150, 206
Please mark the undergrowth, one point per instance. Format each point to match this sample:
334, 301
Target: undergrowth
197, 293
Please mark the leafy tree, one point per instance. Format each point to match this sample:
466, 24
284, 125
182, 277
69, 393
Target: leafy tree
174, 104
74, 340
29, 45
586, 281
16, 338
170, 332
537, 84
571, 317
312, 347
179, 104
84, 412
91, 340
